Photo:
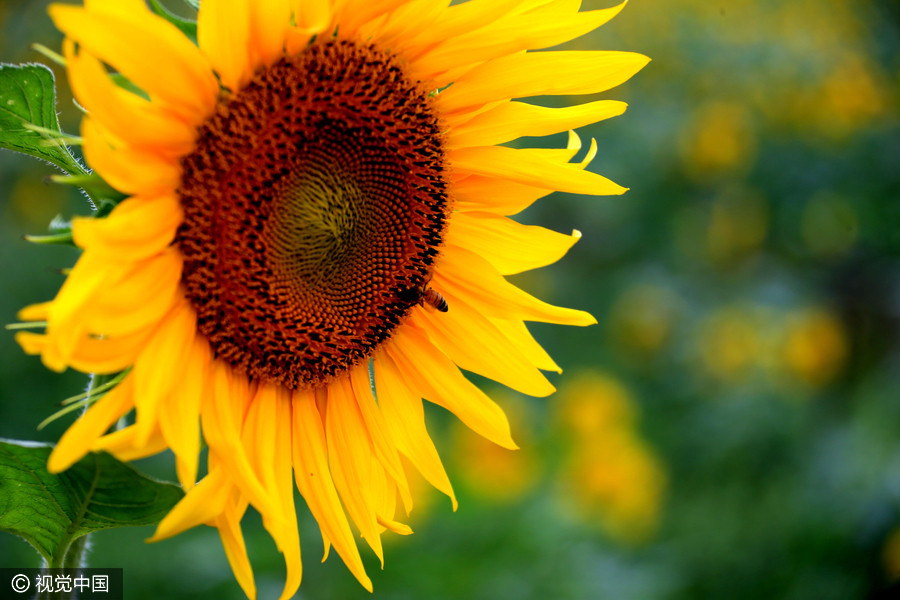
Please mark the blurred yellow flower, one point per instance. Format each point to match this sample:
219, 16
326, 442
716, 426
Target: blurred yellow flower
610, 476
642, 318
851, 96
618, 482
815, 346
719, 139
890, 555
593, 403
492, 472
730, 343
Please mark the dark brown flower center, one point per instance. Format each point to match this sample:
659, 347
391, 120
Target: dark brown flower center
314, 204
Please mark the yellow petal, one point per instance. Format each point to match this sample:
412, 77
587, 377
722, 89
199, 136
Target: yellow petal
127, 445
31, 343
78, 439
349, 451
433, 375
149, 51
395, 526
229, 526
161, 366
35, 312
404, 416
223, 34
91, 355
512, 120
179, 418
542, 27
385, 451
385, 494
396, 31
109, 354
310, 457
269, 23
129, 170
122, 307
483, 350
202, 504
267, 437
494, 194
457, 20
312, 17
222, 419
507, 245
541, 73
136, 229
531, 167
131, 120
81, 285
517, 333
466, 275
353, 14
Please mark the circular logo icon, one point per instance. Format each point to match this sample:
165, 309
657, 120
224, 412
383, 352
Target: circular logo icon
20, 583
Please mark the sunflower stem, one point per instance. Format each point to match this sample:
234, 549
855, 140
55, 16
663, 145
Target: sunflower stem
73, 553
73, 557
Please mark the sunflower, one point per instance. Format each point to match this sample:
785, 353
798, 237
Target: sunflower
315, 237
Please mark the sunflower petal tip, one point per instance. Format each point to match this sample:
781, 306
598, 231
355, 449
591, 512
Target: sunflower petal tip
364, 581
34, 312
163, 531
29, 342
54, 365
59, 462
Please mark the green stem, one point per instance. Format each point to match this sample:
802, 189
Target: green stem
71, 558
73, 553
75, 557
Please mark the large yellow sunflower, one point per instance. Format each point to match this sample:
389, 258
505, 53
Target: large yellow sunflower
315, 238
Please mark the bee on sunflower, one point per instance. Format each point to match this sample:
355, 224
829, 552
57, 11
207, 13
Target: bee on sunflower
314, 237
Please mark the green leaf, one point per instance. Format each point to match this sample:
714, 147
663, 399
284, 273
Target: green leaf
195, 4
28, 122
187, 26
98, 492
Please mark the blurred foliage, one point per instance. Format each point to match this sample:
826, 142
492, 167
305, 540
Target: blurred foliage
747, 289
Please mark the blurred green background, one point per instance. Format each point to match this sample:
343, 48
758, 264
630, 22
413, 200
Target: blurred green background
728, 430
